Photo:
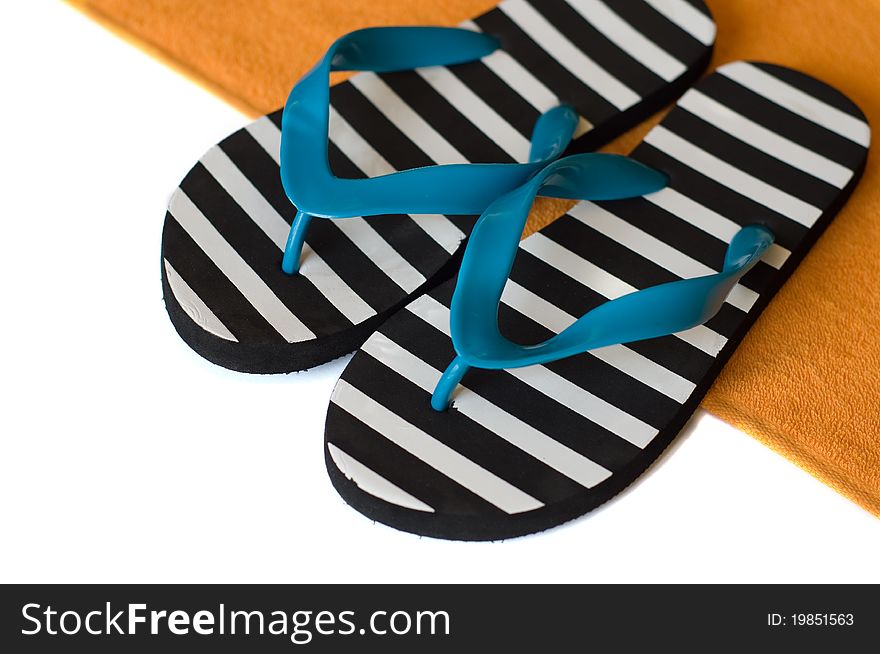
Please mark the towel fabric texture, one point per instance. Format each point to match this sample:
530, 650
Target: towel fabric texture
806, 380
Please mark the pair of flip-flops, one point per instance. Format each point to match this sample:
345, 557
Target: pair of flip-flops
542, 381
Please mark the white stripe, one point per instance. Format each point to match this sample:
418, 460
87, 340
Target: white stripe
540, 30
798, 102
377, 249
591, 407
765, 140
258, 209
646, 371
246, 195
709, 221
405, 119
195, 307
609, 286
529, 87
373, 483
732, 177
554, 386
621, 357
517, 77
371, 163
628, 39
655, 250
333, 287
583, 126
575, 266
268, 136
441, 229
342, 134
687, 17
508, 427
703, 338
532, 90
439, 456
472, 107
237, 270
355, 147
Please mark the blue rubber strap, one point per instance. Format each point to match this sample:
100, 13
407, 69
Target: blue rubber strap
649, 313
454, 189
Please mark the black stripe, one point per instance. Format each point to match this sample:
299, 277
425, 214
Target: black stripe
275, 116
421, 251
551, 284
568, 88
571, 296
617, 388
726, 321
513, 396
659, 29
588, 372
749, 159
399, 231
213, 287
670, 229
443, 293
260, 253
464, 223
589, 38
683, 236
260, 169
740, 209
400, 467
592, 374
675, 354
780, 120
376, 129
760, 277
607, 253
576, 299
459, 432
814, 87
509, 104
443, 116
360, 272
617, 259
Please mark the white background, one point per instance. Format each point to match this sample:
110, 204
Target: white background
127, 458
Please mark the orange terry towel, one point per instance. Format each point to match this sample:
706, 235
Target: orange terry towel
806, 381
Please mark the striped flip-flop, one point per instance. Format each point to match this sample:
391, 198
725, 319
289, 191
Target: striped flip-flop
614, 61
524, 449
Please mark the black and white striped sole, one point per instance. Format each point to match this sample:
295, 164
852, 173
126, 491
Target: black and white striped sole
615, 61
527, 449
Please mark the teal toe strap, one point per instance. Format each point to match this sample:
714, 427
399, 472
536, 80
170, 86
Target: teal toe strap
649, 313
454, 189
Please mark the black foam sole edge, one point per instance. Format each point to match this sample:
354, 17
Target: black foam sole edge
267, 359
481, 528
